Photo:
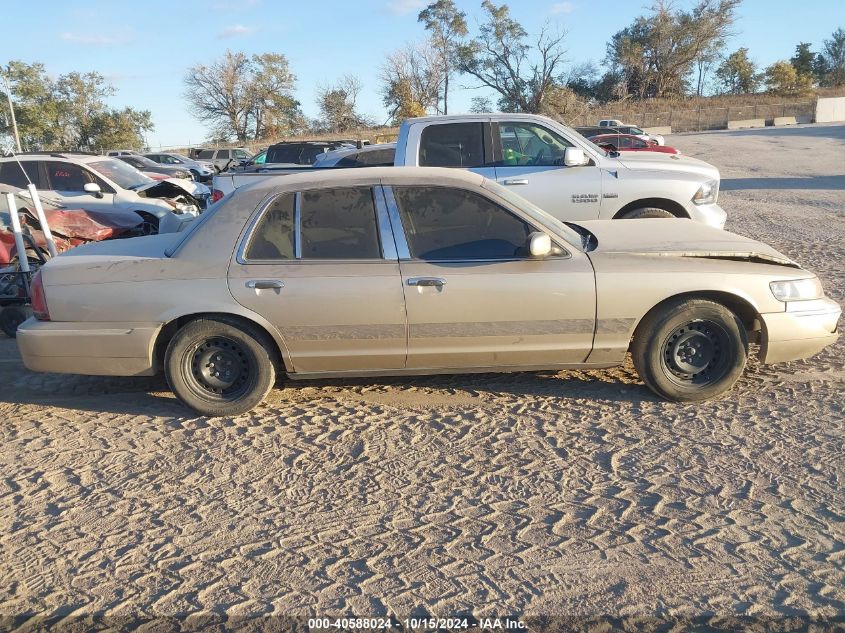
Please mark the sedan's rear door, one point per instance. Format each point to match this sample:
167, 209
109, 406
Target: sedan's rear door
321, 266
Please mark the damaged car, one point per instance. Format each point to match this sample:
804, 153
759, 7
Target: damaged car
382, 271
104, 184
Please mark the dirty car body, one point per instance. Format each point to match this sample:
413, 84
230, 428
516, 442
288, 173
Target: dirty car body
382, 271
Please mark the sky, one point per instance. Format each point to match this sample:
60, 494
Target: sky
144, 49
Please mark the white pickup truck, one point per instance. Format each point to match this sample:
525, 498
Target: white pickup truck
551, 165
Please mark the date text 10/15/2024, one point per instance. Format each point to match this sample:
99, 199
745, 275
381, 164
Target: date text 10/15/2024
411, 624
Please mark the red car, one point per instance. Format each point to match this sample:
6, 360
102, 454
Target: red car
630, 143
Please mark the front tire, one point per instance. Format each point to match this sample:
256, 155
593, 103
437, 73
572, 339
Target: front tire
219, 366
690, 350
647, 212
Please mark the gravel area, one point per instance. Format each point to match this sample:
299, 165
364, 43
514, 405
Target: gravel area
575, 494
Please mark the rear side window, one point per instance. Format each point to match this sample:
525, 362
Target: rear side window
11, 174
452, 145
206, 153
339, 224
453, 224
374, 158
274, 235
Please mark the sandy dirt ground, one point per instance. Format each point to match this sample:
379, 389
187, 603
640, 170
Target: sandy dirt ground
576, 493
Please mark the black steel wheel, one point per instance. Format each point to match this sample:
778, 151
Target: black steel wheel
690, 349
220, 365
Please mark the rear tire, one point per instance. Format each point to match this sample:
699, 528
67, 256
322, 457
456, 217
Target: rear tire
690, 349
647, 212
219, 366
11, 317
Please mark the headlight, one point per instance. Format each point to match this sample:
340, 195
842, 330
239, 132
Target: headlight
707, 193
797, 289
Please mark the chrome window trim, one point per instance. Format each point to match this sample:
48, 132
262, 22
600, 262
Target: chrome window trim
399, 238
240, 256
297, 226
386, 237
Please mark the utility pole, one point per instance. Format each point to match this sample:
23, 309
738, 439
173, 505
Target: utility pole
12, 111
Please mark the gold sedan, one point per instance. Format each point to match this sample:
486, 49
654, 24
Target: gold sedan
385, 271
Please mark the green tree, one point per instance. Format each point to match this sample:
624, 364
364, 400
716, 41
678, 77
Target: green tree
70, 112
782, 79
830, 64
804, 60
656, 54
245, 97
738, 74
500, 58
448, 27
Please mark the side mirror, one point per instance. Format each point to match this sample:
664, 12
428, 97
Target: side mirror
93, 187
539, 244
574, 156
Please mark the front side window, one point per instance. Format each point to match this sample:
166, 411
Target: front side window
339, 224
242, 155
453, 224
529, 144
452, 145
274, 236
68, 177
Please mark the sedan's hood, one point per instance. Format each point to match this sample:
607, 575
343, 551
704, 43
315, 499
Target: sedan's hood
678, 238
657, 161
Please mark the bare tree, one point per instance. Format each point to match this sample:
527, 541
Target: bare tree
448, 27
501, 59
411, 78
242, 96
338, 105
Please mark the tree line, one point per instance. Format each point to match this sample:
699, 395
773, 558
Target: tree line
666, 53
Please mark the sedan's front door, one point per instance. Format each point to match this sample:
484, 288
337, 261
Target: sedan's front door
529, 159
474, 296
314, 266
66, 182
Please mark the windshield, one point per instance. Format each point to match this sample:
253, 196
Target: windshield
120, 173
600, 151
535, 212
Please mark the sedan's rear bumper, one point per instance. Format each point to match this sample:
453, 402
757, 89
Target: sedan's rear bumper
97, 349
804, 329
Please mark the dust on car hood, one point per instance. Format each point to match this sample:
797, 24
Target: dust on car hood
679, 238
660, 162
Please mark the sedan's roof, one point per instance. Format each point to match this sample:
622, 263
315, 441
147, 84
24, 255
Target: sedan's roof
317, 177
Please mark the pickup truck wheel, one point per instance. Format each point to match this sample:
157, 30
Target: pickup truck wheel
647, 212
11, 317
220, 367
690, 350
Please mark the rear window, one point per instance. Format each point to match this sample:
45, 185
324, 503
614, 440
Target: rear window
452, 145
374, 158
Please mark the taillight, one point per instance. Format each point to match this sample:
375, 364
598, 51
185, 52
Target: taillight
216, 195
39, 301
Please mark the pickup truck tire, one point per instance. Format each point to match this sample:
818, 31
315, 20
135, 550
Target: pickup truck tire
689, 349
217, 366
647, 212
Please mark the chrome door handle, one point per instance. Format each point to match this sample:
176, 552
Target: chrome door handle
426, 281
515, 181
265, 284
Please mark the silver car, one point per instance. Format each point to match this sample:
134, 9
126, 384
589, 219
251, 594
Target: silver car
382, 271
